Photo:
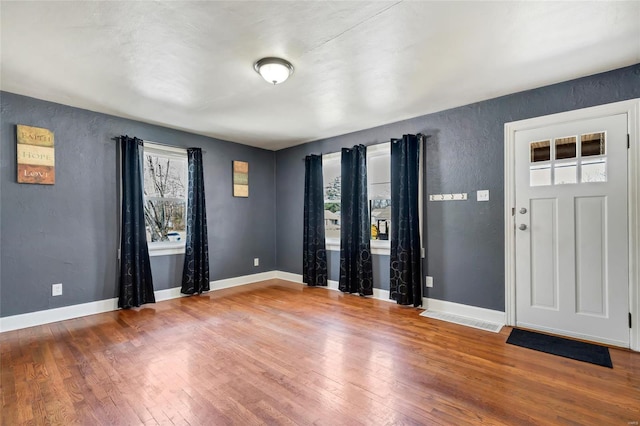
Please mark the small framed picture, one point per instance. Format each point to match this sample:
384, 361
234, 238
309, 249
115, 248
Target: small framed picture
240, 179
36, 156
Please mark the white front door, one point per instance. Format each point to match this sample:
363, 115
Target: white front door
572, 239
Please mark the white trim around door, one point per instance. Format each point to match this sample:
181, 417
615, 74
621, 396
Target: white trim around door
632, 109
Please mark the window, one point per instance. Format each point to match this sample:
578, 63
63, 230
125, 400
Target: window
379, 191
165, 198
570, 160
331, 174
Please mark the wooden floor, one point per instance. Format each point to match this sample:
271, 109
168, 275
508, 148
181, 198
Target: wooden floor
281, 353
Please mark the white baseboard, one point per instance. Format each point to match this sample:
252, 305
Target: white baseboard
331, 285
243, 280
167, 294
288, 276
31, 319
468, 311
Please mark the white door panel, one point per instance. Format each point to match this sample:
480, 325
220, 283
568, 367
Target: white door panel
591, 248
544, 282
572, 229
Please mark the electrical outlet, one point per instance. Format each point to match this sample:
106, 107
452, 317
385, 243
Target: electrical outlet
256, 261
483, 195
429, 281
56, 289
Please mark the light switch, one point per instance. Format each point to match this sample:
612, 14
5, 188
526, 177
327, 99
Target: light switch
483, 195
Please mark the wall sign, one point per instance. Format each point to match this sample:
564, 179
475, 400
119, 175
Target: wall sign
35, 152
240, 179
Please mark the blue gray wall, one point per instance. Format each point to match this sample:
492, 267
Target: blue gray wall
68, 232
464, 240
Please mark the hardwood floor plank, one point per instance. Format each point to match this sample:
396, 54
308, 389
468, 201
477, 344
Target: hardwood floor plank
281, 353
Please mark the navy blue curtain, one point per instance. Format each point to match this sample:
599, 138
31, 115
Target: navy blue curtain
406, 283
195, 273
136, 284
356, 268
314, 254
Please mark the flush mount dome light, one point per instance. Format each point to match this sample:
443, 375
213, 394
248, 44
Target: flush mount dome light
273, 70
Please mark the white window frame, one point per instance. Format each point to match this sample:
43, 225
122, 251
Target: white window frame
165, 248
379, 247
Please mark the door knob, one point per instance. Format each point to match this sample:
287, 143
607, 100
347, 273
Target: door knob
523, 210
522, 227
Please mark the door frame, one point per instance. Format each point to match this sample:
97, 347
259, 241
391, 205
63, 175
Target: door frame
632, 109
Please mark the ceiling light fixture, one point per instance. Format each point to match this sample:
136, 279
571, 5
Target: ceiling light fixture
274, 70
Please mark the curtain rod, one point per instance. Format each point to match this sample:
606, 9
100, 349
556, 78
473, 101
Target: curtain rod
117, 138
420, 135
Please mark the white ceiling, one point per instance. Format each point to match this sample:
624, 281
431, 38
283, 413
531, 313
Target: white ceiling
189, 65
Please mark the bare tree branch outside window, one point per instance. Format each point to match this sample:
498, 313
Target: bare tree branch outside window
165, 201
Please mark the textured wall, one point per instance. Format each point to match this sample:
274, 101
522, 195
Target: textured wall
465, 240
68, 232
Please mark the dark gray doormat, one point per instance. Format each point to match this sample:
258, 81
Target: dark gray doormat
581, 351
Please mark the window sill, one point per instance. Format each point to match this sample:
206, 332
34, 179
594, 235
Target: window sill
381, 247
332, 244
378, 247
166, 248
